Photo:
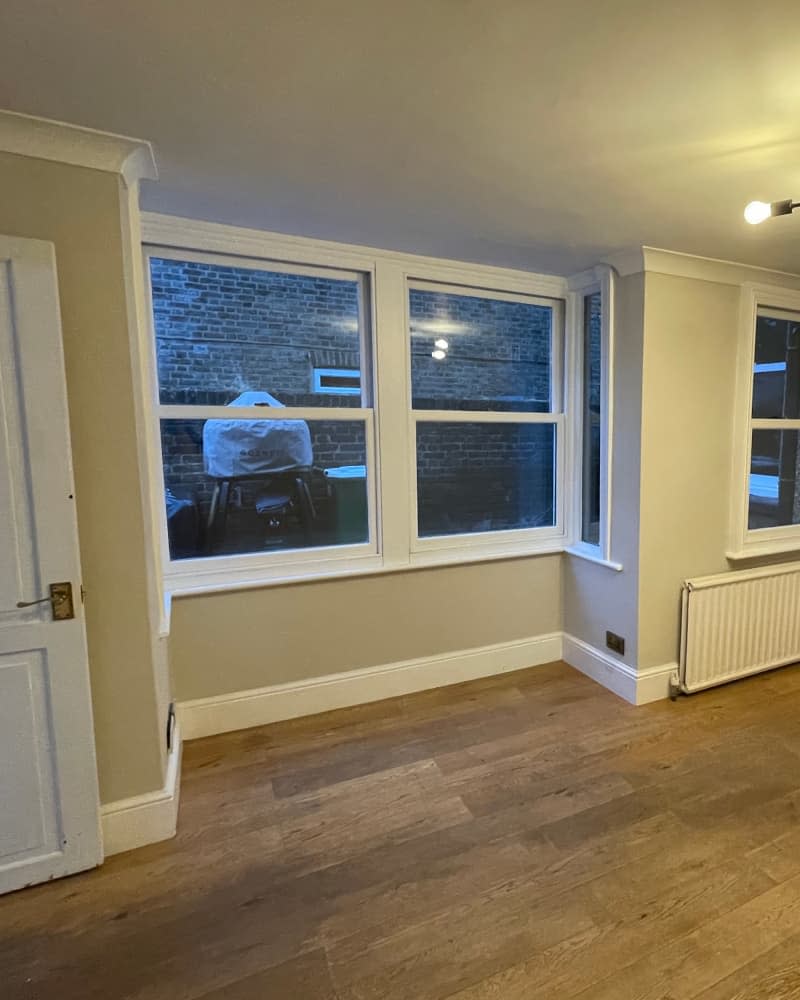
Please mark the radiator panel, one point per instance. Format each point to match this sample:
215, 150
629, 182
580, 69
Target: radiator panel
737, 624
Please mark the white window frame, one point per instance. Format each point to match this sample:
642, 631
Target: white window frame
513, 537
281, 563
744, 542
602, 279
392, 492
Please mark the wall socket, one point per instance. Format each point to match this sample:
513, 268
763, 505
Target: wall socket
615, 642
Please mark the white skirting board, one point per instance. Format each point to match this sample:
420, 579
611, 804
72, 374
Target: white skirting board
636, 686
144, 819
243, 709
257, 707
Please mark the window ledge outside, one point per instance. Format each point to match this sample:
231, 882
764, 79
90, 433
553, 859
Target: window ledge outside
219, 581
592, 555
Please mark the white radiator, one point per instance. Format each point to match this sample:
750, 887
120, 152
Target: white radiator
736, 624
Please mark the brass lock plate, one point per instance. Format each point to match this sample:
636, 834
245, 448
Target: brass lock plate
61, 601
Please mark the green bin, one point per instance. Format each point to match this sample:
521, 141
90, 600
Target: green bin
347, 485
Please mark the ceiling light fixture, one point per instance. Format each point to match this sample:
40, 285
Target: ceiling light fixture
758, 211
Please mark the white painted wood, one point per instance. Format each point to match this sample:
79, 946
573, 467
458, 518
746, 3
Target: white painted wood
209, 581
200, 412
392, 367
601, 278
391, 458
49, 823
744, 543
637, 686
145, 819
591, 554
44, 139
243, 709
194, 234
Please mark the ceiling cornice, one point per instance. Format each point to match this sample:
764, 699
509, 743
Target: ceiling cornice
43, 139
653, 260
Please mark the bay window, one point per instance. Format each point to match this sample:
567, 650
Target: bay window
324, 410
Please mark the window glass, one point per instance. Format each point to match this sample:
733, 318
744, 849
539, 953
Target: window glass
776, 367
592, 349
774, 487
222, 330
243, 486
476, 477
475, 352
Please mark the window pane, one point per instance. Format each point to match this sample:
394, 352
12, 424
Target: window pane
774, 480
222, 331
776, 368
475, 477
235, 486
479, 353
592, 346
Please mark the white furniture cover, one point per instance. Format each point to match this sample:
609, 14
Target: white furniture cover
255, 447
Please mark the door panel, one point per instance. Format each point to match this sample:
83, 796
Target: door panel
49, 813
18, 575
26, 772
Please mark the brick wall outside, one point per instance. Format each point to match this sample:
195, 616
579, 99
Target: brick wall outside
221, 331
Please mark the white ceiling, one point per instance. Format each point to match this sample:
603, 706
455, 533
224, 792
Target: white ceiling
541, 135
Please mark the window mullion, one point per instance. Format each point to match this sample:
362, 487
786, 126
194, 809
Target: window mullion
392, 430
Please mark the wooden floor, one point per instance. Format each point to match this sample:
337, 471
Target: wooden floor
524, 837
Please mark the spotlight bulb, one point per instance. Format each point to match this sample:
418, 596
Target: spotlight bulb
757, 211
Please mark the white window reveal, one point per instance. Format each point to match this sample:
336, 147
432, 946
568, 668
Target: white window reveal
592, 386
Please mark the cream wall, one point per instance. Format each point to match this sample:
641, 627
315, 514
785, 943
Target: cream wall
689, 379
240, 640
597, 598
82, 212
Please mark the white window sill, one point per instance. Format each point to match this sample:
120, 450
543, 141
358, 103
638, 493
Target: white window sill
592, 555
220, 581
789, 549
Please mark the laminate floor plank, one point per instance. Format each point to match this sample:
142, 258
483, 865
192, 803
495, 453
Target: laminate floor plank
522, 837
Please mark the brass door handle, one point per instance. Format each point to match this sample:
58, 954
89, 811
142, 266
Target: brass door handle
60, 599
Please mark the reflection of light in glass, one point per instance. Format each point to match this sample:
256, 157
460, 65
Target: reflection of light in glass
438, 355
442, 344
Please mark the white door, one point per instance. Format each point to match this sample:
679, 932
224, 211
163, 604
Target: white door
49, 813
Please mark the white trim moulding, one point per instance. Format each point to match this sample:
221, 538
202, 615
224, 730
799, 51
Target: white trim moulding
686, 265
148, 818
591, 553
44, 139
257, 707
639, 687
213, 237
225, 713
